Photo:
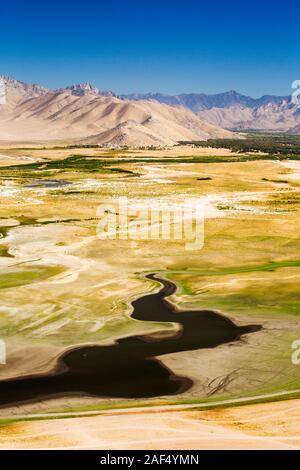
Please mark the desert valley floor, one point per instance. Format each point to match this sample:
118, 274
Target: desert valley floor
63, 289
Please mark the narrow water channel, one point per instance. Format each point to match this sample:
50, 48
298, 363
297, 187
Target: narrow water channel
131, 367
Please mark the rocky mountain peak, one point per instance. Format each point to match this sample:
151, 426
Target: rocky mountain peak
83, 89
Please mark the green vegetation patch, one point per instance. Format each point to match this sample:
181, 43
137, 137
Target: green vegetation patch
75, 163
280, 145
13, 277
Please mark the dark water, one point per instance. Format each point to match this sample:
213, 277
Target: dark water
48, 184
129, 369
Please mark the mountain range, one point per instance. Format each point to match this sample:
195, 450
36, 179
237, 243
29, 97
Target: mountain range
234, 111
84, 114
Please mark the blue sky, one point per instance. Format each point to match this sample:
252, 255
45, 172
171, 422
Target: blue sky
167, 46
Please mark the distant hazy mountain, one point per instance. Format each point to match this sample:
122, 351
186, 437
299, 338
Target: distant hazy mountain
83, 114
200, 101
234, 111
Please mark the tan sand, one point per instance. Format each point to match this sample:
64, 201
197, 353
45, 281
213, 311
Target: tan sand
264, 426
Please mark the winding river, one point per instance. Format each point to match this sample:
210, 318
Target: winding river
130, 368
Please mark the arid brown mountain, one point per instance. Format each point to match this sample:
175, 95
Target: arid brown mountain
17, 91
82, 113
279, 117
86, 114
234, 111
82, 89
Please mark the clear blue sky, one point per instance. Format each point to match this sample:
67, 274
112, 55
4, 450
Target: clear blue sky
167, 46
